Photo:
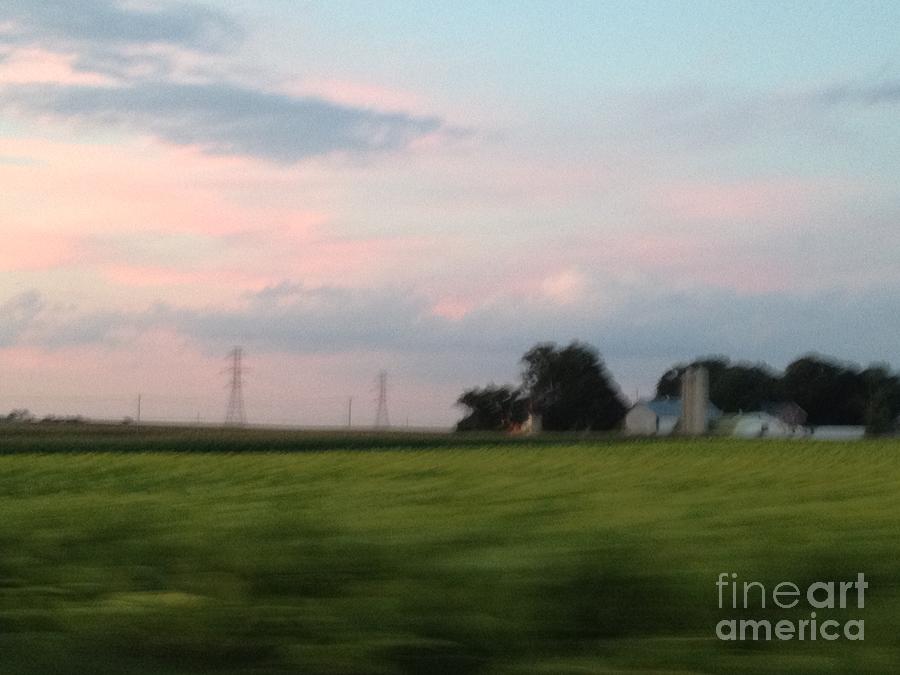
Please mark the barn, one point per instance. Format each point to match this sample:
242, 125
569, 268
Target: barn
660, 416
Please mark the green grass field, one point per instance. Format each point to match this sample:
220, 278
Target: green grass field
417, 554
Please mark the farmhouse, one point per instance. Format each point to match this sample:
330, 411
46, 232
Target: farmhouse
660, 416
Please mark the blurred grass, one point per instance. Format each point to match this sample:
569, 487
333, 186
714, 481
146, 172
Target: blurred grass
483, 557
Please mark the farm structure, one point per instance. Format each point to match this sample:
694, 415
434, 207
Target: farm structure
660, 417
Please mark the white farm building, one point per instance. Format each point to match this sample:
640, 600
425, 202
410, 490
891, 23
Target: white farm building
660, 416
764, 425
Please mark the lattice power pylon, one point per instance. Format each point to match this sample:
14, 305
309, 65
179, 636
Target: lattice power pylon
381, 416
235, 414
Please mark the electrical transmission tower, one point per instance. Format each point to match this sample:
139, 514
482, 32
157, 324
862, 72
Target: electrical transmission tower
235, 414
381, 416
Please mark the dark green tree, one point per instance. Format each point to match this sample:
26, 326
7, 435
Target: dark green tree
746, 387
882, 399
732, 387
570, 388
19, 415
830, 392
492, 408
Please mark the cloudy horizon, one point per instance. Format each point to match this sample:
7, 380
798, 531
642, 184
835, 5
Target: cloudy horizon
430, 190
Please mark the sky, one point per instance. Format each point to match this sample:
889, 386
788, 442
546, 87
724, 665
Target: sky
430, 189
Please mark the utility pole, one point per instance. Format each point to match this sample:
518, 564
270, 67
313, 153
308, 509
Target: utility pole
381, 416
235, 414
349, 412
138, 419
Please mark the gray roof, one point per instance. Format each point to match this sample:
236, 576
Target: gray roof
664, 407
671, 407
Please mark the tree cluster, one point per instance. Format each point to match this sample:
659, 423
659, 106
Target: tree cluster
568, 387
18, 416
732, 387
493, 408
25, 416
829, 391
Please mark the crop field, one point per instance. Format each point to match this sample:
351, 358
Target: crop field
188, 551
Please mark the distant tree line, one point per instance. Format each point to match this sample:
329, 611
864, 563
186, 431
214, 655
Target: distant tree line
829, 391
24, 416
568, 388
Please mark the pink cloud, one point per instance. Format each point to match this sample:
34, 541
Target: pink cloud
564, 287
597, 270
757, 199
504, 185
357, 94
317, 257
137, 185
158, 276
32, 65
35, 251
252, 261
683, 261
452, 309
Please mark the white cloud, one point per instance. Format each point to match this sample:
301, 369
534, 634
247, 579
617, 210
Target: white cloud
565, 287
